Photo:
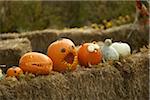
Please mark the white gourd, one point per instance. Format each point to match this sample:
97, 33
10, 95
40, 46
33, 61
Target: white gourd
1, 74
122, 48
109, 53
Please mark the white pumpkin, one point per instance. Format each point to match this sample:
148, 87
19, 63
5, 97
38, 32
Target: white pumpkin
1, 74
122, 48
109, 53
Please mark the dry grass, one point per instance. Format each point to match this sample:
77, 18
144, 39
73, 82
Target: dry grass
126, 79
12, 49
123, 80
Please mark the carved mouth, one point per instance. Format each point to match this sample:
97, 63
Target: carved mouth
69, 60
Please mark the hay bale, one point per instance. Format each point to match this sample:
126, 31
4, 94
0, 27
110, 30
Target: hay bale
88, 35
124, 80
9, 36
40, 40
135, 71
79, 36
138, 38
12, 49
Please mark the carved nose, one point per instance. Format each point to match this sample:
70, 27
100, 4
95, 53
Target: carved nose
71, 48
95, 50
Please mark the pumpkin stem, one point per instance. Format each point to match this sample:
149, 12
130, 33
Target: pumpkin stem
94, 42
89, 64
82, 43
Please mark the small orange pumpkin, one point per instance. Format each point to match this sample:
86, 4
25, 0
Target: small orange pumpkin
89, 54
63, 54
14, 71
36, 63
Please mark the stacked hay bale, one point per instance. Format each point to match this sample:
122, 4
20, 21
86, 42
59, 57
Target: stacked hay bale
12, 49
124, 80
41, 39
138, 37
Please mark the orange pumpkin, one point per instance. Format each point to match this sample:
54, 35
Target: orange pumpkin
36, 63
14, 71
89, 54
63, 54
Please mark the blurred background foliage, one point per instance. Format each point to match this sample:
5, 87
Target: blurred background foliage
20, 16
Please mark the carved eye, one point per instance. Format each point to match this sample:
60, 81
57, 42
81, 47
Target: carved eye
94, 42
72, 47
15, 71
63, 50
90, 48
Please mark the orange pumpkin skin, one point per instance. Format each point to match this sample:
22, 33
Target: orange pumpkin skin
85, 57
14, 71
63, 54
36, 63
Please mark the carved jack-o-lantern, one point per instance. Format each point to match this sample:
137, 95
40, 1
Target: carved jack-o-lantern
14, 71
63, 54
89, 54
36, 63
